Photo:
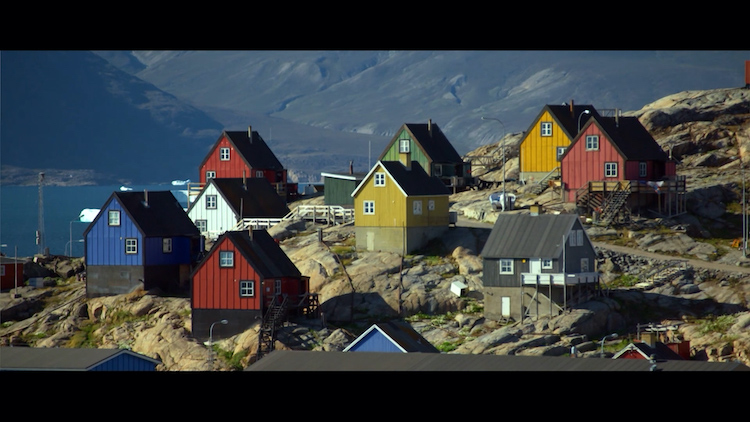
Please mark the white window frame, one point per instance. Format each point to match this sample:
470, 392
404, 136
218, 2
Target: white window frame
560, 152
277, 286
592, 142
113, 218
368, 207
505, 266
202, 225
404, 145
166, 245
642, 169
437, 170
211, 202
416, 207
579, 237
131, 246
610, 169
2, 270
545, 129
380, 179
546, 264
224, 154
247, 288
259, 174
210, 174
226, 259
431, 205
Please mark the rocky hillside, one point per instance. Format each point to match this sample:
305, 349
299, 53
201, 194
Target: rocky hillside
706, 298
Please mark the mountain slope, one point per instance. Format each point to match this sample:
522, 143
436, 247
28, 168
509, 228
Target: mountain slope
73, 110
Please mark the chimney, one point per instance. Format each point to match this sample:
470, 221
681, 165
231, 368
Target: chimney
617, 118
572, 110
536, 209
145, 198
429, 127
351, 167
244, 180
250, 133
250, 233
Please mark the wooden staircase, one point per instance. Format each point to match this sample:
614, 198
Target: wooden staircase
614, 207
272, 321
539, 187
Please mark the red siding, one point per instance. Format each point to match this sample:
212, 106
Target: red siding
8, 281
233, 167
219, 288
580, 166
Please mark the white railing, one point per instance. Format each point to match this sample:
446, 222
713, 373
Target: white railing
329, 213
559, 279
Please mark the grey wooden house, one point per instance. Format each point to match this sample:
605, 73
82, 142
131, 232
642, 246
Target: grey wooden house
537, 264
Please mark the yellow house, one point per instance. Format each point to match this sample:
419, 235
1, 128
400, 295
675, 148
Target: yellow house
547, 138
399, 208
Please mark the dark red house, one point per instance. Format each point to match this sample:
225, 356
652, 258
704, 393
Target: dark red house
614, 165
11, 273
243, 277
239, 154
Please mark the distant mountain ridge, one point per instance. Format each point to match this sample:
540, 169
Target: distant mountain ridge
317, 110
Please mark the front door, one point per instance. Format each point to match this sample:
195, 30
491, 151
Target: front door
535, 266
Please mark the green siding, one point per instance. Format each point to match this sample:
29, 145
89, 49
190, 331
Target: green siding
416, 154
339, 191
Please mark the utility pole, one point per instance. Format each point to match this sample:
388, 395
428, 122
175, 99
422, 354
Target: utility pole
40, 228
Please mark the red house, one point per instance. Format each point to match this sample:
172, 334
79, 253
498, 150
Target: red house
11, 273
614, 166
239, 154
244, 277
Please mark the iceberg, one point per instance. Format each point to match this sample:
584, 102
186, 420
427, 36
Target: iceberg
180, 182
88, 215
125, 188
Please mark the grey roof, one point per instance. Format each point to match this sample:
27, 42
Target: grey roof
299, 360
414, 180
528, 236
433, 141
59, 358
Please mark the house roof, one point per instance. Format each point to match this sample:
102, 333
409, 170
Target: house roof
156, 213
261, 252
629, 137
302, 360
400, 334
356, 176
253, 150
660, 350
528, 236
412, 181
59, 358
566, 118
250, 197
433, 142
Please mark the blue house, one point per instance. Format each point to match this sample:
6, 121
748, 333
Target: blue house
391, 336
73, 359
140, 239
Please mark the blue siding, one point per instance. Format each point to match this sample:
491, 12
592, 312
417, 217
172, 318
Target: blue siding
105, 244
125, 362
375, 341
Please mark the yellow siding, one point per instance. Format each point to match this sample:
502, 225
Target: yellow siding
389, 204
539, 153
437, 217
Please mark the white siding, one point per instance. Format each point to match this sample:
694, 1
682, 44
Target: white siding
218, 220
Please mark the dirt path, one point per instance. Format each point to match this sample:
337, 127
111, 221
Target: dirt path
698, 263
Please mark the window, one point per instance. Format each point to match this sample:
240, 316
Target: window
584, 265
560, 152
437, 170
380, 179
431, 205
259, 173
277, 287
547, 264
546, 128
202, 225
579, 237
575, 238
417, 207
131, 245
226, 259
403, 145
2, 270
210, 174
224, 154
114, 218
166, 245
610, 169
368, 207
211, 202
642, 169
506, 266
592, 142
247, 288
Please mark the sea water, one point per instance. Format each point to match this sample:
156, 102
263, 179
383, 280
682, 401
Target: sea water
62, 208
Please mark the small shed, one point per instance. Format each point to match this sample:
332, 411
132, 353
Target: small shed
11, 272
73, 359
392, 336
338, 187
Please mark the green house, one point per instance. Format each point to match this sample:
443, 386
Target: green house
338, 187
